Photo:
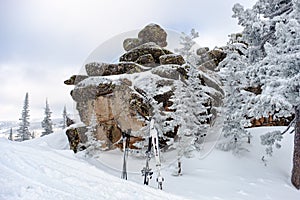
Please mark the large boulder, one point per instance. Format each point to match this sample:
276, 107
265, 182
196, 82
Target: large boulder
150, 33
92, 88
217, 55
167, 71
105, 69
131, 43
210, 59
73, 80
76, 136
171, 59
146, 60
153, 33
148, 48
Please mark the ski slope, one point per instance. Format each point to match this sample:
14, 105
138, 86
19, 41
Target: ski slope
44, 169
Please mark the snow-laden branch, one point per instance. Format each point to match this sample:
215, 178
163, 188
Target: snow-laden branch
286, 9
274, 137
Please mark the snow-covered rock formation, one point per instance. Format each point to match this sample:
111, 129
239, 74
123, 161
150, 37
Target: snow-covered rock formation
123, 96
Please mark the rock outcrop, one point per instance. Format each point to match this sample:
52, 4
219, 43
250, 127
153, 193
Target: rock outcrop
122, 95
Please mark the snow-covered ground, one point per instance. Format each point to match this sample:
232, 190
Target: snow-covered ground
44, 168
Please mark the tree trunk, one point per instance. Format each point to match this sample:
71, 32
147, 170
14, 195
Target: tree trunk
179, 166
296, 158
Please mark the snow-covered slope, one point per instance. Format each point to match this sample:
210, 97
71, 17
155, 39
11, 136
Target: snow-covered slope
40, 169
44, 168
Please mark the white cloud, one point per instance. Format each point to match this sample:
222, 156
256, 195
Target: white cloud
40, 83
45, 42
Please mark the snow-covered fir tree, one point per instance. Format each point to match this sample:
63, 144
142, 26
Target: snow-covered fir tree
189, 116
199, 104
271, 29
93, 145
188, 47
232, 71
23, 131
182, 118
195, 96
272, 32
159, 117
263, 60
47, 122
64, 115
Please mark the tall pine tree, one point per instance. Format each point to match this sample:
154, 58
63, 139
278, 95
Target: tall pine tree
47, 122
23, 131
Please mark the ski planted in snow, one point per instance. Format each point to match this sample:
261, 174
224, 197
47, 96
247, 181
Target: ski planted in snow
125, 138
146, 171
156, 152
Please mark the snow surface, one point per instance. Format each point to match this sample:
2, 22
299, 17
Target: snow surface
44, 168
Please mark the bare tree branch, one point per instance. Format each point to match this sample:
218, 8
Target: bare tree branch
289, 126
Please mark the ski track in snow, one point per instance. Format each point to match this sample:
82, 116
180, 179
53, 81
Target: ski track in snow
44, 168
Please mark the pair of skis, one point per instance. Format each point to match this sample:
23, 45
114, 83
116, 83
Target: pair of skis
152, 143
146, 171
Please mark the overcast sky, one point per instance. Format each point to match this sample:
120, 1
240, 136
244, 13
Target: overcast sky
44, 42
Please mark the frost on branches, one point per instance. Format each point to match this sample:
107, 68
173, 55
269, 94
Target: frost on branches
271, 69
232, 70
278, 71
262, 66
271, 30
270, 139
